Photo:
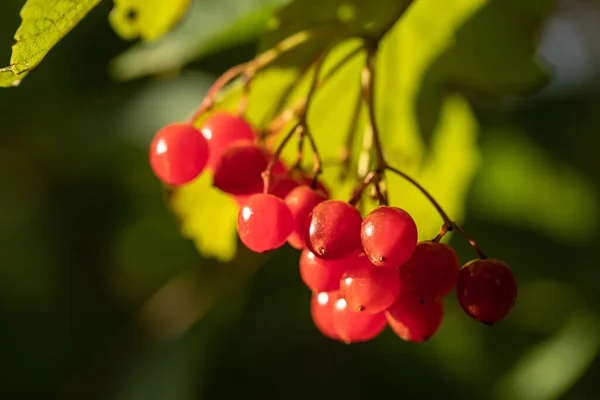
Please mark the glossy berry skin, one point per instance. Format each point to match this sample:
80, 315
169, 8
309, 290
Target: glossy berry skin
414, 321
301, 201
264, 222
178, 154
333, 230
486, 290
368, 288
323, 275
352, 327
239, 171
282, 185
321, 311
389, 236
431, 271
221, 130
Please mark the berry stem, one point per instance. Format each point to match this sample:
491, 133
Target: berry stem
356, 196
247, 78
292, 112
303, 114
449, 225
250, 68
440, 210
268, 172
472, 242
368, 91
221, 81
287, 93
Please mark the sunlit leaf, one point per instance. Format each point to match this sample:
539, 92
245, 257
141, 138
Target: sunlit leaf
485, 56
44, 24
208, 216
445, 169
146, 19
521, 185
209, 27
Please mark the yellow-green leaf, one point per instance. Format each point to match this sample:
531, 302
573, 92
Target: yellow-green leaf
44, 24
207, 216
148, 19
446, 168
209, 27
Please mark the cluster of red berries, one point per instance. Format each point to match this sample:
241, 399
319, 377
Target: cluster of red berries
365, 273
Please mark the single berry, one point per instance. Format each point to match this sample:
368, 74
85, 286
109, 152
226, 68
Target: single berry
431, 272
282, 185
323, 275
353, 326
414, 321
178, 154
486, 290
368, 288
389, 236
221, 130
239, 171
301, 202
321, 310
333, 230
264, 222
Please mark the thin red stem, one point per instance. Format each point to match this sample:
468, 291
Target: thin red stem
268, 173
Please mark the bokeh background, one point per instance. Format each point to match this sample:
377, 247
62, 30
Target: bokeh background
101, 297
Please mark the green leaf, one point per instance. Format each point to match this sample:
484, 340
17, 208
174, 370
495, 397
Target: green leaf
446, 168
504, 185
208, 216
208, 28
44, 24
485, 57
148, 19
549, 369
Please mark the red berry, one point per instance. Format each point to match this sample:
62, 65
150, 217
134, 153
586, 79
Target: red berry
221, 130
431, 271
178, 154
353, 326
333, 230
486, 290
308, 181
239, 171
321, 310
323, 275
301, 202
282, 185
389, 236
368, 288
414, 321
264, 222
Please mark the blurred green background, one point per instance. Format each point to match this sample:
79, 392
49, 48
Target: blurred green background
101, 297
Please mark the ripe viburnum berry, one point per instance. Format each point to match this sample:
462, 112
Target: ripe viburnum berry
301, 202
389, 236
221, 130
333, 230
486, 290
431, 272
414, 321
352, 326
178, 154
323, 275
239, 171
368, 288
264, 222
